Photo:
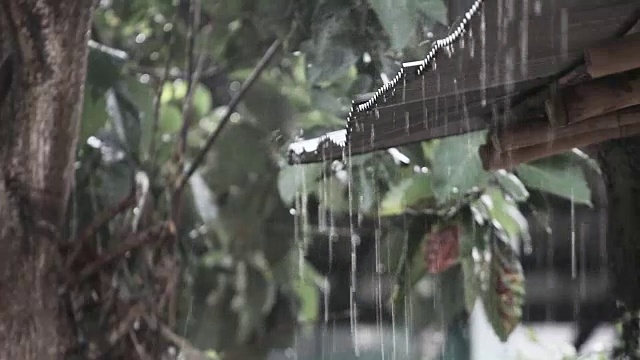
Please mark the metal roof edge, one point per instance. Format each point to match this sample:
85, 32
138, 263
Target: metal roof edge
340, 138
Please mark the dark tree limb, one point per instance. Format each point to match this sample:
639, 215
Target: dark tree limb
39, 123
154, 234
99, 221
255, 74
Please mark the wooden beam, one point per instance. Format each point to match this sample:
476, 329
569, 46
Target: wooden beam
607, 127
615, 57
584, 101
540, 131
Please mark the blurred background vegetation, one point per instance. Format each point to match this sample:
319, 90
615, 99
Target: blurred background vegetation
263, 248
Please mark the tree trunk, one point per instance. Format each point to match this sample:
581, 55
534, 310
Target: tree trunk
44, 43
620, 161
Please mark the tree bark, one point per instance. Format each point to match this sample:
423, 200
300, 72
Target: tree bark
45, 44
620, 162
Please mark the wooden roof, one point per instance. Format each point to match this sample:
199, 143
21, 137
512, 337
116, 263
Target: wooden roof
499, 54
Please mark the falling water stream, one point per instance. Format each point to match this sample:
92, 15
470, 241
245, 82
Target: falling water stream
514, 66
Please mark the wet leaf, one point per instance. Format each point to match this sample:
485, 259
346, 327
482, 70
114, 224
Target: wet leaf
397, 18
580, 157
504, 297
268, 105
94, 116
254, 298
557, 175
364, 191
125, 120
104, 67
306, 287
329, 54
240, 153
435, 10
512, 185
170, 119
456, 166
141, 96
472, 239
203, 198
442, 248
471, 283
293, 179
337, 195
400, 17
202, 100
505, 215
411, 266
409, 193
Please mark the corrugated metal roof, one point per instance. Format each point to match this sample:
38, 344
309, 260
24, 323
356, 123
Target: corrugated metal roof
498, 53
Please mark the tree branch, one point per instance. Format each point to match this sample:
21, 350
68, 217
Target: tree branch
135, 241
98, 222
268, 55
192, 28
158, 96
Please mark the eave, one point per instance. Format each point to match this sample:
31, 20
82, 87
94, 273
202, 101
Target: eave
501, 62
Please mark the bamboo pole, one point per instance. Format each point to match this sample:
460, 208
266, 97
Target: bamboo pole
535, 132
584, 101
616, 57
546, 141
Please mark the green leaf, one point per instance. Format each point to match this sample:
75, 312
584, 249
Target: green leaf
94, 116
472, 235
512, 185
456, 166
293, 179
306, 287
329, 54
397, 18
504, 297
505, 215
104, 67
409, 193
335, 194
435, 10
449, 299
202, 100
170, 119
557, 175
255, 296
364, 191
580, 157
125, 121
400, 18
411, 265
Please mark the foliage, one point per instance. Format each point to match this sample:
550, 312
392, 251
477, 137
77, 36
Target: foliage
234, 272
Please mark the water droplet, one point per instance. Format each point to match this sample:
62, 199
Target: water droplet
537, 7
366, 58
140, 38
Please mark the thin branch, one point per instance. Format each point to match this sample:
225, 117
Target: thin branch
99, 221
142, 353
192, 27
189, 351
173, 74
268, 55
135, 241
123, 326
158, 96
